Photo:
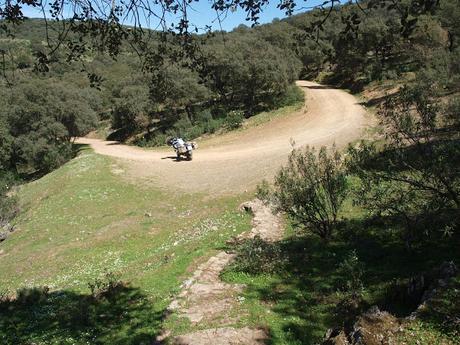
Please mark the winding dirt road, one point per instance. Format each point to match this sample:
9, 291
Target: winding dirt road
239, 160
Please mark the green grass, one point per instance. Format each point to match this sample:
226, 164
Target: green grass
301, 299
420, 332
268, 116
296, 102
83, 220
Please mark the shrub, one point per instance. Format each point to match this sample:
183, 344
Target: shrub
311, 189
213, 125
8, 208
351, 271
203, 116
158, 139
182, 124
264, 192
8, 204
234, 119
193, 132
256, 256
291, 96
413, 177
5, 296
38, 120
131, 110
32, 296
206, 121
107, 286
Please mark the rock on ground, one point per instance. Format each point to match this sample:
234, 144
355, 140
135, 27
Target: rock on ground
223, 336
374, 327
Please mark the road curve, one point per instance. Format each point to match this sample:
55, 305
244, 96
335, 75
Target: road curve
239, 160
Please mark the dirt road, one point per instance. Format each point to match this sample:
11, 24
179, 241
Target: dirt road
239, 160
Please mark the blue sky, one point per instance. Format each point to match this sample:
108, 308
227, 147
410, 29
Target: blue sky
201, 14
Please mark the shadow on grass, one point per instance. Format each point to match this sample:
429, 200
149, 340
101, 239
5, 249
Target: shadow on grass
28, 175
77, 148
306, 290
122, 316
443, 311
439, 151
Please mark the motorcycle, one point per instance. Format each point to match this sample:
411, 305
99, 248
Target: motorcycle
184, 149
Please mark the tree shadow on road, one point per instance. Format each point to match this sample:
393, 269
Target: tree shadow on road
320, 87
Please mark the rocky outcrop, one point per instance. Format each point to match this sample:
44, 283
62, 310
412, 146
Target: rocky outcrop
374, 327
430, 284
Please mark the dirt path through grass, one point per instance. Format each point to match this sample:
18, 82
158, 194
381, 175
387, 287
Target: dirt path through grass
210, 305
238, 160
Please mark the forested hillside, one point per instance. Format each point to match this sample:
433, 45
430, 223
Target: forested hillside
47, 99
229, 77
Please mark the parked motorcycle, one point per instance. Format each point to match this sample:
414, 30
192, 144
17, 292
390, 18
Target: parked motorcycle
183, 148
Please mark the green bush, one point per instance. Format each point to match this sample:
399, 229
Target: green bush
413, 177
38, 120
8, 208
207, 122
131, 110
32, 296
351, 272
203, 123
203, 116
193, 132
106, 286
256, 256
264, 192
291, 96
159, 139
8, 204
311, 189
213, 125
234, 119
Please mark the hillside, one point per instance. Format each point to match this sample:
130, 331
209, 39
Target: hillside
239, 160
84, 220
319, 212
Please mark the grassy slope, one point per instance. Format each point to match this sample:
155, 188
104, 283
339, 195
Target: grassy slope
83, 220
299, 302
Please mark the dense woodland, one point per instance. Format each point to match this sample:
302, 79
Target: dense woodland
227, 77
406, 181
